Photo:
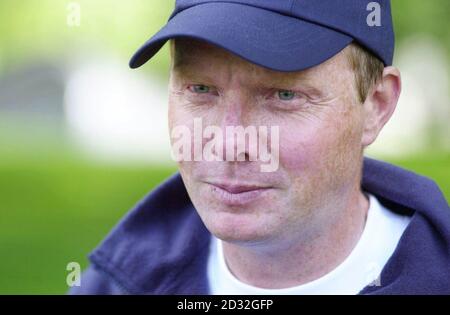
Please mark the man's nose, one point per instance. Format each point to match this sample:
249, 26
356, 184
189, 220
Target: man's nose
236, 117
233, 114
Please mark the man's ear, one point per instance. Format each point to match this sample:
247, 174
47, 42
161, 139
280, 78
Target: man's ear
380, 104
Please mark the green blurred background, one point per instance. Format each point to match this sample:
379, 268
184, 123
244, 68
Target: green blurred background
66, 172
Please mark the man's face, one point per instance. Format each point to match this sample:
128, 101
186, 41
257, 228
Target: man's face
320, 151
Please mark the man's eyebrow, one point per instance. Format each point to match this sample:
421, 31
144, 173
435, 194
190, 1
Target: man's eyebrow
187, 70
186, 64
183, 64
290, 81
286, 80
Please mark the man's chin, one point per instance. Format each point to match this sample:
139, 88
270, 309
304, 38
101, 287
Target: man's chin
238, 230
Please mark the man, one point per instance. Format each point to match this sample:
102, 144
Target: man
324, 219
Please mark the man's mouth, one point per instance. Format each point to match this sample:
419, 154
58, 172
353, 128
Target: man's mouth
237, 194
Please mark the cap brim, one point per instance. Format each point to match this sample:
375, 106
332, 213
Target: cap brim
263, 37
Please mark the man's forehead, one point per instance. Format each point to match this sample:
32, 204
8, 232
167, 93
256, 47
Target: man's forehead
190, 55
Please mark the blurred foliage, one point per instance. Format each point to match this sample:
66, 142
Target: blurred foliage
34, 29
418, 16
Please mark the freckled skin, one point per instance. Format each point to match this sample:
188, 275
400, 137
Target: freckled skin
316, 200
319, 144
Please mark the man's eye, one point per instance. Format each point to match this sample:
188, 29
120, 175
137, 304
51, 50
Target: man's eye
200, 89
286, 95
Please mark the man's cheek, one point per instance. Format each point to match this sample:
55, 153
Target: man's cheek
299, 156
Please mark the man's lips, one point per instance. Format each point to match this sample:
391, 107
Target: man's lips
237, 194
238, 188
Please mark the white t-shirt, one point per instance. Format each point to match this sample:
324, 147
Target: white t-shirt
362, 267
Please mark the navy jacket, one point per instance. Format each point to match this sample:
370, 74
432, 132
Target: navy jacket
161, 246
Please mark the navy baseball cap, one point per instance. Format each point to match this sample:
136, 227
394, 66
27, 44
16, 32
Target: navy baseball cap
283, 35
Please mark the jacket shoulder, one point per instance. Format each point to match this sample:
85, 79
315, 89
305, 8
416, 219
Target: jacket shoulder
159, 247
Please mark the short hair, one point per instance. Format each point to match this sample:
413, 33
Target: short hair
367, 67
